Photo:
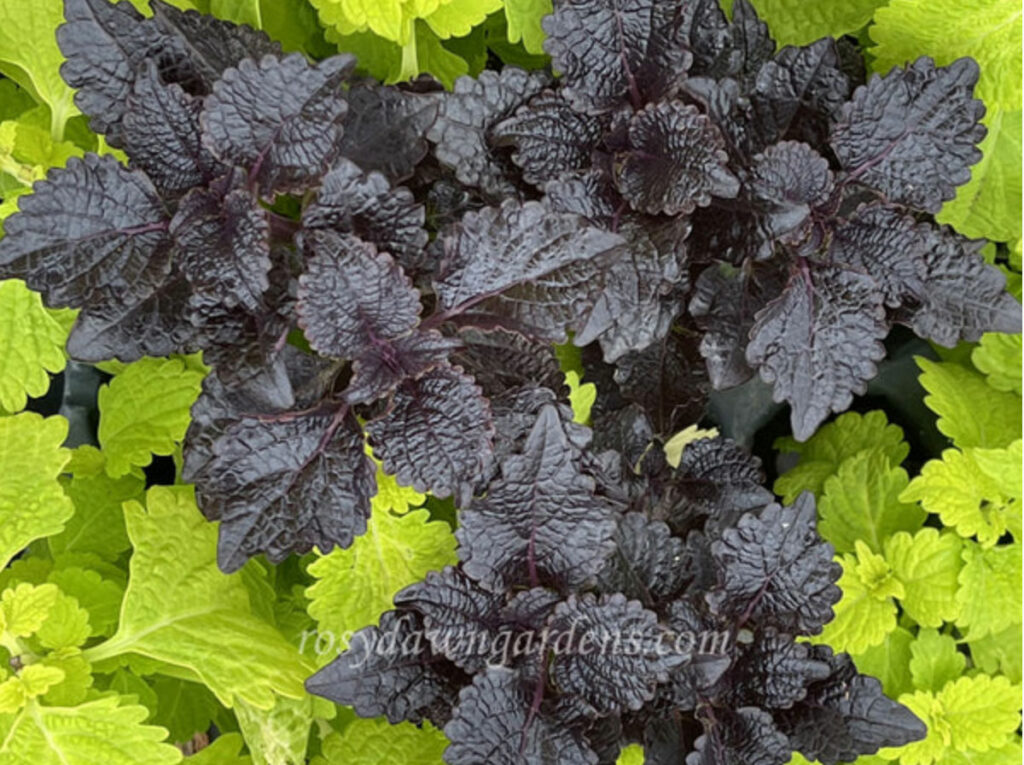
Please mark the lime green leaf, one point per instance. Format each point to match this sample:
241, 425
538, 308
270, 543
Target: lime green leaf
1007, 754
32, 502
66, 626
356, 585
998, 652
524, 17
990, 595
799, 22
77, 681
631, 755
976, 491
180, 609
33, 680
998, 356
935, 660
31, 345
29, 54
889, 661
184, 708
457, 18
391, 496
676, 445
24, 609
225, 750
106, 731
833, 444
581, 397
866, 613
368, 742
927, 564
278, 736
144, 411
432, 57
970, 412
98, 524
862, 502
100, 597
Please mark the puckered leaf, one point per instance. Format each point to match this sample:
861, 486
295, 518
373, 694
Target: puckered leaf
92, 234
962, 296
846, 715
365, 205
935, 660
539, 517
745, 735
913, 133
352, 298
160, 132
886, 244
368, 742
385, 129
610, 678
501, 360
675, 161
988, 599
460, 133
926, 565
378, 370
280, 482
223, 240
818, 343
790, 178
180, 610
105, 43
460, 616
723, 49
646, 563
775, 568
774, 671
31, 345
493, 723
278, 118
528, 268
437, 434
717, 479
998, 356
550, 137
724, 303
610, 53
390, 671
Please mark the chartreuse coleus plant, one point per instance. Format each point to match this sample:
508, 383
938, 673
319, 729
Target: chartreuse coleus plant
931, 564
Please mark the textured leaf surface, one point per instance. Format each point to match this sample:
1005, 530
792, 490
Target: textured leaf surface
989, 599
610, 680
181, 610
109, 730
530, 268
935, 660
797, 23
368, 742
352, 298
281, 483
540, 516
223, 241
645, 564
675, 161
610, 52
279, 118
32, 503
91, 234
818, 344
380, 368
31, 345
913, 133
774, 567
492, 722
437, 435
144, 411
998, 357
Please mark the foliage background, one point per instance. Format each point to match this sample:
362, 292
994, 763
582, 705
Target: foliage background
130, 641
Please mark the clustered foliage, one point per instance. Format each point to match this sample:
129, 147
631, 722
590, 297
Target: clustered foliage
684, 202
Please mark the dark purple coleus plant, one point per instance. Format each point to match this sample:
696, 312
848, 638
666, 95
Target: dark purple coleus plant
684, 200
600, 601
